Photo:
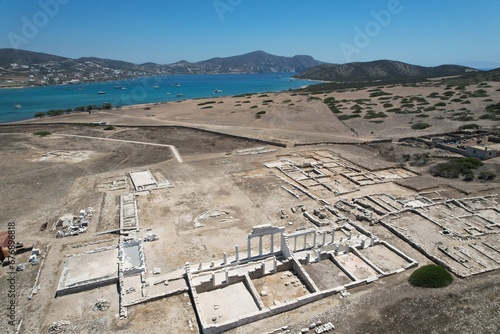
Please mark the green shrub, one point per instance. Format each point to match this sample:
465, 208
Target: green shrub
207, 107
371, 114
440, 104
40, 114
253, 107
42, 133
455, 167
205, 103
109, 128
487, 176
431, 276
346, 117
420, 126
379, 93
469, 127
259, 114
430, 108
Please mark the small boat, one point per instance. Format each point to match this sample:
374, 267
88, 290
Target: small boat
179, 95
124, 88
168, 93
178, 85
101, 92
117, 87
17, 106
156, 86
217, 91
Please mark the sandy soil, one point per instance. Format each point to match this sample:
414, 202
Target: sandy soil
45, 178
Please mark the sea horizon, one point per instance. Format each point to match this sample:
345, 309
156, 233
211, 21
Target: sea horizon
22, 103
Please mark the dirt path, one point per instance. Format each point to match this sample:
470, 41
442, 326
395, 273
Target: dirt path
172, 148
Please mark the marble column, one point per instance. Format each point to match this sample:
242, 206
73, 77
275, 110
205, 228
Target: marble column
260, 245
249, 250
237, 256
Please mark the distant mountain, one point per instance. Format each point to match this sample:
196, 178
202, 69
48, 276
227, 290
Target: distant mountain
475, 77
481, 65
386, 70
19, 67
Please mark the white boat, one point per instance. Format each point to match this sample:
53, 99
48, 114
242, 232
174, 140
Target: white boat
101, 92
17, 106
217, 91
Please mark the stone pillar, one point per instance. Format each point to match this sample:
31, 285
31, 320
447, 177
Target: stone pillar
294, 244
319, 255
272, 243
249, 248
308, 258
263, 267
305, 241
227, 276
200, 266
336, 249
225, 258
212, 264
363, 241
324, 239
347, 248
213, 279
275, 264
260, 245
372, 240
237, 253
333, 235
314, 239
350, 235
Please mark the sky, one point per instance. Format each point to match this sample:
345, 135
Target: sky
422, 32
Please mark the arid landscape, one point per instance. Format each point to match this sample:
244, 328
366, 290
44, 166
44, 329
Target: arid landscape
174, 194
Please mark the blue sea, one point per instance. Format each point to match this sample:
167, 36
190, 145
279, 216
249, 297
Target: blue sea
18, 104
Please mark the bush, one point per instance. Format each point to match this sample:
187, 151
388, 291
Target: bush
440, 104
42, 133
431, 276
40, 114
259, 114
109, 128
420, 126
469, 127
455, 167
379, 93
346, 117
371, 114
487, 176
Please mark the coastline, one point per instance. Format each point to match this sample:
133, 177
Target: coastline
154, 96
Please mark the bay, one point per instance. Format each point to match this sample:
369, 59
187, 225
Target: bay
18, 104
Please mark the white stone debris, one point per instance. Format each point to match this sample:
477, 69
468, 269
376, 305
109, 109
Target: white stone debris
101, 305
58, 326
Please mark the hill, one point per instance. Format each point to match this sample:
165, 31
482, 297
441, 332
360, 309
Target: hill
19, 67
380, 70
